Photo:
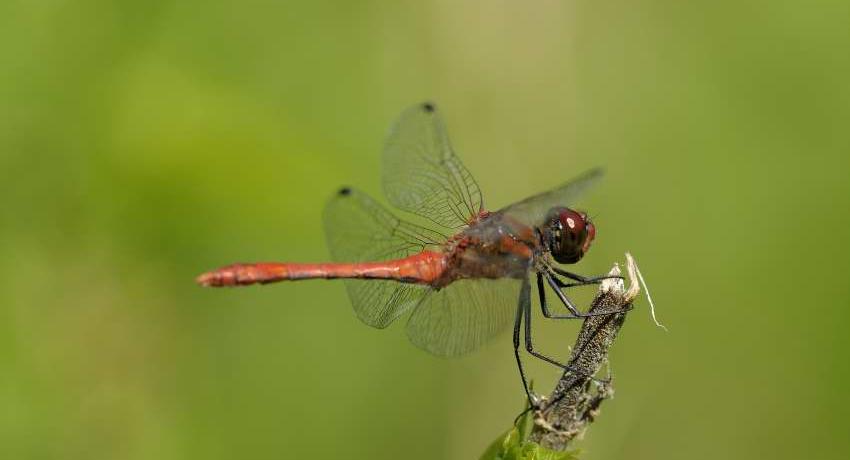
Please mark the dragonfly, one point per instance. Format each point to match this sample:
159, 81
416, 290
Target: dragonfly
462, 273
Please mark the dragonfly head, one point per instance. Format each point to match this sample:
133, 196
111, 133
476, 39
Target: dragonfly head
568, 234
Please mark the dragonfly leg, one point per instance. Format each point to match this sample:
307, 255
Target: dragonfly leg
523, 304
582, 280
528, 341
563, 298
569, 303
563, 284
529, 345
544, 306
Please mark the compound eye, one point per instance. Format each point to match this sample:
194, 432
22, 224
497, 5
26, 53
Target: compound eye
591, 231
574, 224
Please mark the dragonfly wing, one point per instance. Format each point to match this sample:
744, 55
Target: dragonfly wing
359, 229
422, 175
463, 316
533, 209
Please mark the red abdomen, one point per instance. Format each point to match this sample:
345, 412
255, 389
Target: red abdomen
422, 268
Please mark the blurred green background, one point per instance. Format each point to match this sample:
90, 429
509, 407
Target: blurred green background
144, 142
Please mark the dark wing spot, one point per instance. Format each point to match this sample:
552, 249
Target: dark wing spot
428, 107
345, 191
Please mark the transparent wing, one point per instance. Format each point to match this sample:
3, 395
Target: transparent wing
358, 229
463, 316
422, 175
533, 209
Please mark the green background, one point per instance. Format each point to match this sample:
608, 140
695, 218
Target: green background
144, 142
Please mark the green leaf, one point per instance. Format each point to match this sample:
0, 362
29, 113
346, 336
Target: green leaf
534, 451
513, 445
496, 448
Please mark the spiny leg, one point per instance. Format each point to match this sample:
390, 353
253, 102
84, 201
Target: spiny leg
595, 280
582, 280
544, 306
524, 309
569, 303
529, 345
563, 297
523, 303
528, 342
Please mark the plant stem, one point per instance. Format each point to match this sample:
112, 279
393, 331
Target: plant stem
575, 401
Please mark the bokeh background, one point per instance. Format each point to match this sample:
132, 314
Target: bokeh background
144, 142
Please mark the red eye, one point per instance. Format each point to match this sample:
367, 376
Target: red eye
572, 223
591, 234
568, 234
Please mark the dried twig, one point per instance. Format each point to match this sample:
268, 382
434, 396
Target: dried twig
575, 401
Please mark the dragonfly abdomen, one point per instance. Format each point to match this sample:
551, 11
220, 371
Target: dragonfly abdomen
422, 268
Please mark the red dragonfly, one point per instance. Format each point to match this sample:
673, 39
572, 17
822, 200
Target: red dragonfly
459, 274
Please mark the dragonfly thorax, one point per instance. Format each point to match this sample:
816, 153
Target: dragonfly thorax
567, 234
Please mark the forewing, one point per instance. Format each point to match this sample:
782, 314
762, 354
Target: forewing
422, 174
533, 209
463, 316
358, 229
